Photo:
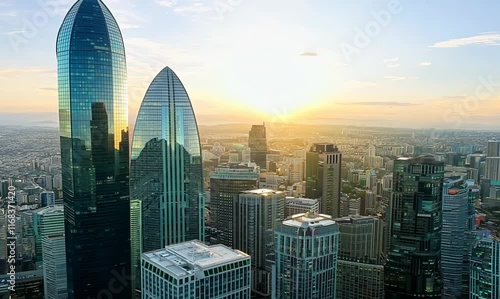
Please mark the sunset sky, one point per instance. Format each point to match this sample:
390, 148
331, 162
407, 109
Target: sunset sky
387, 63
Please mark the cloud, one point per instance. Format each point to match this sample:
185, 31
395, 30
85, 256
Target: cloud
380, 103
194, 8
13, 72
128, 20
360, 84
426, 63
48, 88
311, 54
167, 3
485, 39
394, 78
392, 62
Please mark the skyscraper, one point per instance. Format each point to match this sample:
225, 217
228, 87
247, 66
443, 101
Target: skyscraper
226, 184
193, 270
493, 148
257, 214
413, 268
492, 170
166, 166
306, 248
54, 267
47, 222
257, 142
359, 273
485, 266
323, 174
93, 119
136, 243
457, 236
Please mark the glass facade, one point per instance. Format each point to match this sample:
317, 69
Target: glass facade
166, 166
485, 266
413, 268
257, 142
93, 118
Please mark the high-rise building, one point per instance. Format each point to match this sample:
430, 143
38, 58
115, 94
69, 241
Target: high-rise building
257, 142
54, 267
485, 266
48, 221
413, 268
493, 148
226, 184
166, 172
48, 198
257, 214
294, 206
457, 236
193, 270
323, 177
136, 243
306, 249
359, 272
93, 119
492, 170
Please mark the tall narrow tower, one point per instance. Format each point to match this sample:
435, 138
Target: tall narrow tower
93, 119
166, 167
257, 142
413, 268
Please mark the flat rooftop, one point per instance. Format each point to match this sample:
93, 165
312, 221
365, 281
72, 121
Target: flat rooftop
186, 258
309, 220
262, 192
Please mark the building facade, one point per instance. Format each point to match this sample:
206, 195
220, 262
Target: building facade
226, 184
193, 270
413, 268
306, 249
48, 221
323, 177
54, 267
257, 214
166, 166
257, 142
457, 236
294, 206
485, 266
93, 119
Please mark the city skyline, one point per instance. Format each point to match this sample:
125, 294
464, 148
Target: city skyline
408, 72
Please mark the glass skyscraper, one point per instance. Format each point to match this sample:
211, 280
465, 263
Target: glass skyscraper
93, 118
413, 268
457, 236
166, 172
485, 266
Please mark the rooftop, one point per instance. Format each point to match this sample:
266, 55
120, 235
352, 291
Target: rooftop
262, 192
309, 220
186, 258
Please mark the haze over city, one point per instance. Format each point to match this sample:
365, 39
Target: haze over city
420, 64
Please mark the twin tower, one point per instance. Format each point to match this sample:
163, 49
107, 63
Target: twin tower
159, 187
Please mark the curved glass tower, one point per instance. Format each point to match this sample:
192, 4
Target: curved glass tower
166, 172
93, 116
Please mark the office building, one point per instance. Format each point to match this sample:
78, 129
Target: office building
54, 267
323, 177
294, 206
257, 142
93, 124
359, 272
306, 249
48, 221
485, 266
457, 236
413, 268
136, 244
226, 184
493, 149
193, 270
166, 166
257, 214
48, 198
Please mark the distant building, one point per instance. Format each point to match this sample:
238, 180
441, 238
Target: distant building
193, 270
257, 142
48, 221
54, 267
226, 184
257, 214
306, 251
413, 267
295, 206
48, 198
323, 177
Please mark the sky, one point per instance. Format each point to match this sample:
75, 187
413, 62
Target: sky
391, 63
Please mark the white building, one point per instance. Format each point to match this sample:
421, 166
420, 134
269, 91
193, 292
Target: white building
294, 206
193, 270
54, 267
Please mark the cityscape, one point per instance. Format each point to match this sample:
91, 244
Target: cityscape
111, 196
